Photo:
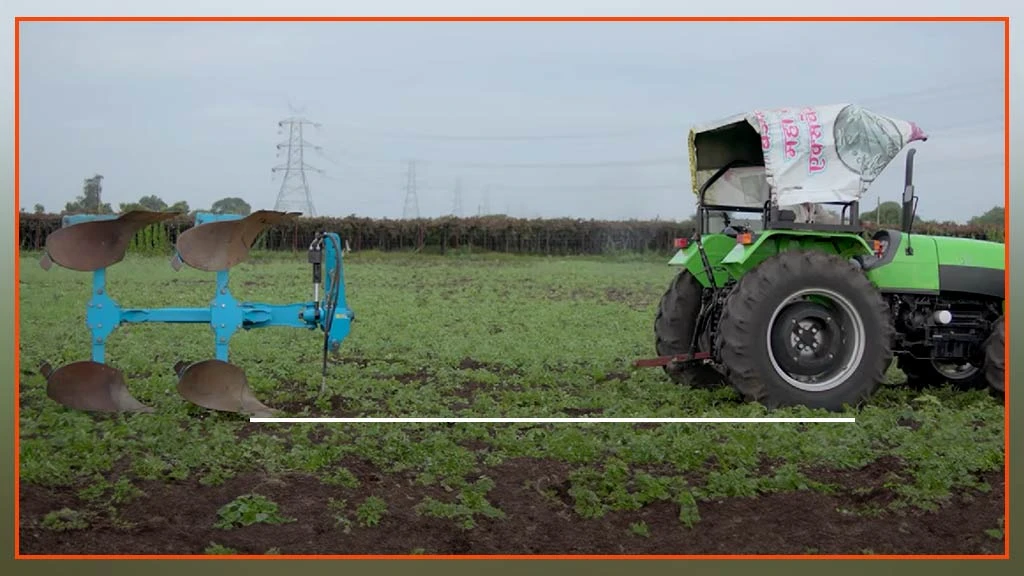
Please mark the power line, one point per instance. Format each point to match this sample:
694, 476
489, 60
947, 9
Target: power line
408, 135
603, 187
934, 90
669, 128
965, 125
670, 160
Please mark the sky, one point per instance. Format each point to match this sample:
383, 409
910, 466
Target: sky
582, 120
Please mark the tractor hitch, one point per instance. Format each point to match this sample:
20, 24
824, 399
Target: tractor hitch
671, 359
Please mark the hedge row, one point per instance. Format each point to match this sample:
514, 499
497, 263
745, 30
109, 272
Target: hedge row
491, 233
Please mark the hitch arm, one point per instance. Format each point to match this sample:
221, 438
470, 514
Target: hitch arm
671, 359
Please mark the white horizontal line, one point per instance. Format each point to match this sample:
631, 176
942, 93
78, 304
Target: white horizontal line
553, 420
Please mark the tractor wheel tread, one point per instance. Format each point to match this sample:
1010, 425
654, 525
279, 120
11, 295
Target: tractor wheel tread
741, 341
995, 358
673, 330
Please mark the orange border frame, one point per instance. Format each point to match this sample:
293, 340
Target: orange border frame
19, 19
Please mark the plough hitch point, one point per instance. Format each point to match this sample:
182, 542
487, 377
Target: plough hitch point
671, 359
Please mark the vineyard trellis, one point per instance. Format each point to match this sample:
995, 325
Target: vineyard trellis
563, 236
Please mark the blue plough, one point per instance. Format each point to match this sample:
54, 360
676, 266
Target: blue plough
92, 243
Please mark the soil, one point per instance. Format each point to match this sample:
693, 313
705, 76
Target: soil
635, 300
178, 518
471, 364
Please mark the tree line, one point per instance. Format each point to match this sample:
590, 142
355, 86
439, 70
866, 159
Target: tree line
495, 233
562, 236
90, 201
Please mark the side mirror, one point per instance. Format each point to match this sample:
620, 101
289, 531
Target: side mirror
908, 193
908, 182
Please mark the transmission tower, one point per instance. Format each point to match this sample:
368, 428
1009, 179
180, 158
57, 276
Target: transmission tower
412, 205
457, 199
294, 195
484, 208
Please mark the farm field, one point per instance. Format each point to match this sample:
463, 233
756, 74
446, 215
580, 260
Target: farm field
474, 335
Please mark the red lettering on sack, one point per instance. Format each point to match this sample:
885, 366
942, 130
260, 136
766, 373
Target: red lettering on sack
816, 162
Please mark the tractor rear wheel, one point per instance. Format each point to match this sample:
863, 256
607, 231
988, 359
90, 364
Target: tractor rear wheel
995, 359
673, 331
805, 328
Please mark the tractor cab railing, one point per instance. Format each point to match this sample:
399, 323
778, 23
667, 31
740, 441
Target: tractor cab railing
738, 189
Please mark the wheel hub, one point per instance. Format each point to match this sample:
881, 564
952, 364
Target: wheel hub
815, 344
804, 339
954, 371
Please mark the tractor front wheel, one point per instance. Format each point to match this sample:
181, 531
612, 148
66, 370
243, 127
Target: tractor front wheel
995, 359
923, 373
805, 328
674, 326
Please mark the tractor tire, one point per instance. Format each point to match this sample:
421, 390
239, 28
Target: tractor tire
995, 359
922, 374
764, 337
673, 332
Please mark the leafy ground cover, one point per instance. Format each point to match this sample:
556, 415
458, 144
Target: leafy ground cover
480, 335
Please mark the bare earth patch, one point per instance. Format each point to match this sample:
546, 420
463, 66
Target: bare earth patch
535, 495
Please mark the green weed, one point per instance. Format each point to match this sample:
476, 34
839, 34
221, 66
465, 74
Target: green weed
640, 529
371, 511
470, 502
217, 549
248, 510
65, 519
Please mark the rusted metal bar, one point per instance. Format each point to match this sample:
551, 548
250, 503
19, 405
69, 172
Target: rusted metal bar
665, 360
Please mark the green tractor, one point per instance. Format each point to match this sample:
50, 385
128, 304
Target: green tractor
792, 303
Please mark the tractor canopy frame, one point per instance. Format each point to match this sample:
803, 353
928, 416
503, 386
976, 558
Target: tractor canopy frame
769, 162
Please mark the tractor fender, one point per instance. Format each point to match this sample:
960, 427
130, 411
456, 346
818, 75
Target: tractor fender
909, 265
716, 247
743, 257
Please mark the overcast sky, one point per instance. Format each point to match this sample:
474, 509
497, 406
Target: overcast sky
554, 119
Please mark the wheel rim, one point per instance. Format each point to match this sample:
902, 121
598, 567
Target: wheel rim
815, 345
955, 372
